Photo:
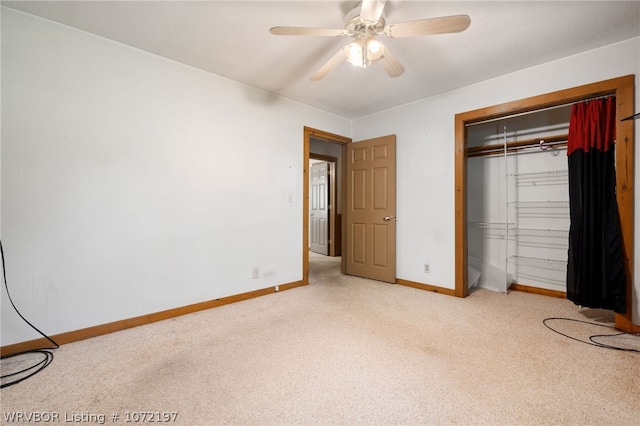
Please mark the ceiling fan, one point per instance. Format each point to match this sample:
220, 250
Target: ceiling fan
366, 21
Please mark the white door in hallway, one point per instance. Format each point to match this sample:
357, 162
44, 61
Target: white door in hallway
318, 209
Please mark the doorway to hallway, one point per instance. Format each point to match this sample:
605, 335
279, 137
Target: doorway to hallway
326, 147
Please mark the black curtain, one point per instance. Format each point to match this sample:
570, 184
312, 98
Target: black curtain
595, 268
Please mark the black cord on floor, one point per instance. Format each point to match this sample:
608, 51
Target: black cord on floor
592, 340
25, 373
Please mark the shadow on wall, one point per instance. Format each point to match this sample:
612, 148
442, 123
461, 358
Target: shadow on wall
260, 97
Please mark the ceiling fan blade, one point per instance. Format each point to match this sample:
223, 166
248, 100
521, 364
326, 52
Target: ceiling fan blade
372, 10
340, 56
391, 64
329, 32
441, 25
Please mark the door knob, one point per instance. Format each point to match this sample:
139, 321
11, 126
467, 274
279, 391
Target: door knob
388, 218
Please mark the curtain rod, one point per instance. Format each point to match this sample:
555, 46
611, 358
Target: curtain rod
543, 143
539, 110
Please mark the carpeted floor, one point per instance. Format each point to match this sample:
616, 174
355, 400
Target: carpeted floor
347, 351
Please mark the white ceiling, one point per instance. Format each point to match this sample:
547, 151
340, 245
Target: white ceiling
232, 39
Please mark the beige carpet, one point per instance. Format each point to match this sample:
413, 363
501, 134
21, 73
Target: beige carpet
347, 351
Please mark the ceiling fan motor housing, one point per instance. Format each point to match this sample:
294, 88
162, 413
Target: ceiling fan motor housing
359, 28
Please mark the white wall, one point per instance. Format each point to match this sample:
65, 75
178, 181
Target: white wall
132, 184
425, 157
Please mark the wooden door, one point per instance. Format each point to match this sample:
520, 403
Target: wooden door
371, 209
319, 215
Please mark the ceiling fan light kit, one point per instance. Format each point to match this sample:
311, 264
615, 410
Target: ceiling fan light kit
364, 23
363, 53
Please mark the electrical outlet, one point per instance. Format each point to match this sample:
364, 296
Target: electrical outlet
427, 269
255, 274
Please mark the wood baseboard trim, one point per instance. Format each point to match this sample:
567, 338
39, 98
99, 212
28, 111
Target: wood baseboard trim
99, 330
294, 284
537, 290
624, 324
621, 322
427, 287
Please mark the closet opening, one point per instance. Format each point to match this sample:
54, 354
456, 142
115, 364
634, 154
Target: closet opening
527, 192
517, 202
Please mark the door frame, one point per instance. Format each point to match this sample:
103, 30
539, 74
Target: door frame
308, 133
624, 89
331, 217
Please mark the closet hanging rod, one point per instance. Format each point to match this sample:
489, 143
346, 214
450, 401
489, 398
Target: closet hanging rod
505, 117
547, 141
